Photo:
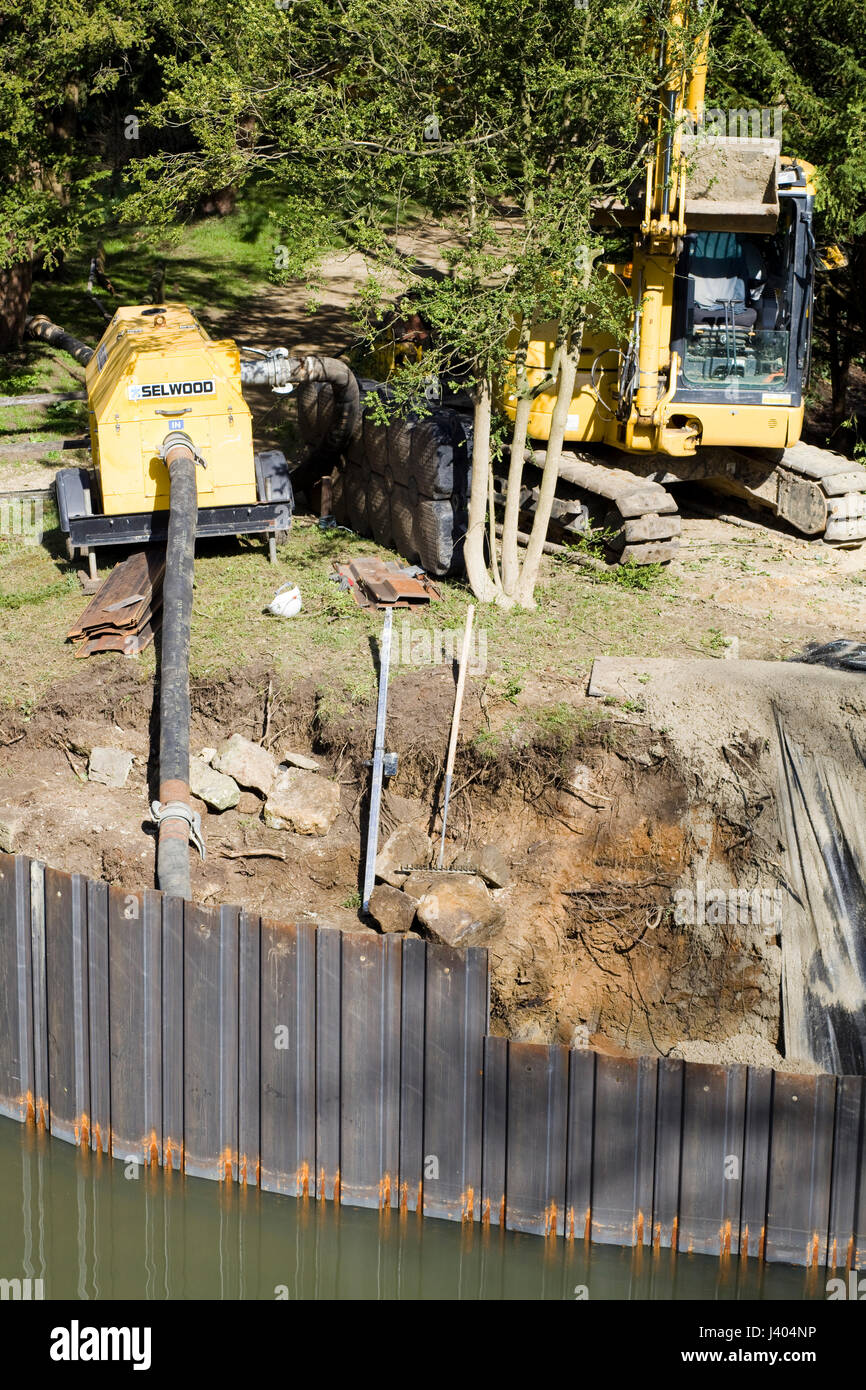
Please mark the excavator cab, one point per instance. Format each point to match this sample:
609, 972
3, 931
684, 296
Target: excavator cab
742, 304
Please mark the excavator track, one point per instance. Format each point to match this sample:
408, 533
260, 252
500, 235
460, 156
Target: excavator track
823, 494
643, 517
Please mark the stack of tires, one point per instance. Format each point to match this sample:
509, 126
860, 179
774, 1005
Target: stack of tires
405, 483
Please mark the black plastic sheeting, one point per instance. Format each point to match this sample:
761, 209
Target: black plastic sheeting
842, 655
824, 920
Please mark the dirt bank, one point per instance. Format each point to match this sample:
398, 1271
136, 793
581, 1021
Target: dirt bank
607, 809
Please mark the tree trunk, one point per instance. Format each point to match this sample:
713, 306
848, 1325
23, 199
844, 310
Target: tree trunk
483, 587
522, 411
550, 475
15, 284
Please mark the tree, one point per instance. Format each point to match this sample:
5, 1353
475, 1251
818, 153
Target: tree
502, 118
809, 58
59, 66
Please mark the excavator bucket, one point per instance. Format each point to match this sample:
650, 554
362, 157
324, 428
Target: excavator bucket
731, 183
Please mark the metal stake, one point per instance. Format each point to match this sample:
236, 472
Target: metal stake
455, 724
378, 763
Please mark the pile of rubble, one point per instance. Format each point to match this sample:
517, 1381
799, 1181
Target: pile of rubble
461, 906
296, 796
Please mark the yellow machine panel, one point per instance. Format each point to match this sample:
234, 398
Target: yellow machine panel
156, 370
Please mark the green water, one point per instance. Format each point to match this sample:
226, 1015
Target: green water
76, 1221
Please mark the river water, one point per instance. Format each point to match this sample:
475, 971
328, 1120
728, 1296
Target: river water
90, 1229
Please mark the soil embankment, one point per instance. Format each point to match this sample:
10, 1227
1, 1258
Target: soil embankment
652, 876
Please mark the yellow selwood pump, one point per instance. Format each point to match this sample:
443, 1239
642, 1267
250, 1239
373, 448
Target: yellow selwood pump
156, 374
173, 460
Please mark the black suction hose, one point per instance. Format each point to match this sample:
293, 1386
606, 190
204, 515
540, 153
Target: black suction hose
173, 872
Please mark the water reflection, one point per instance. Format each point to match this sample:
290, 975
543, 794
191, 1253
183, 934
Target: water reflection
91, 1230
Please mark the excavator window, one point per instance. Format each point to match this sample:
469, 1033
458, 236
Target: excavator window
736, 329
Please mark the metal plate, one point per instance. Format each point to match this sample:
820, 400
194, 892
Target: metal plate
67, 995
801, 1151
16, 1002
712, 1159
288, 1059
370, 1071
537, 1128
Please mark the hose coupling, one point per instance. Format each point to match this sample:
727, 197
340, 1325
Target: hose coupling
178, 810
179, 439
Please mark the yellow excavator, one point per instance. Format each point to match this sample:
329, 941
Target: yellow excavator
710, 385
707, 386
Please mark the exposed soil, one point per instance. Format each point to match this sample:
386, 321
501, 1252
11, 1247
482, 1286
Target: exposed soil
601, 821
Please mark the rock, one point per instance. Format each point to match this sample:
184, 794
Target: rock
459, 911
404, 850
218, 790
301, 760
10, 830
302, 801
393, 910
248, 763
489, 862
405, 810
207, 755
248, 804
110, 766
531, 1030
419, 881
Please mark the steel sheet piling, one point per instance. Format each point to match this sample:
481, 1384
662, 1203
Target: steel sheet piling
536, 1143
99, 1015
328, 1089
370, 1071
288, 1059
624, 1150
17, 1083
494, 1152
136, 1025
359, 1068
249, 1047
457, 1008
712, 1159
412, 1051
847, 1143
756, 1162
668, 1161
173, 1050
581, 1123
801, 1152
210, 1129
68, 1024
41, 1099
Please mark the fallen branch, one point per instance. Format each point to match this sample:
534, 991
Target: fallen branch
252, 854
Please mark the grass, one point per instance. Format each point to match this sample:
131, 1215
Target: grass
331, 641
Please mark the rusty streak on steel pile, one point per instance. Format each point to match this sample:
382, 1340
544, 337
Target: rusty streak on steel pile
360, 1069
